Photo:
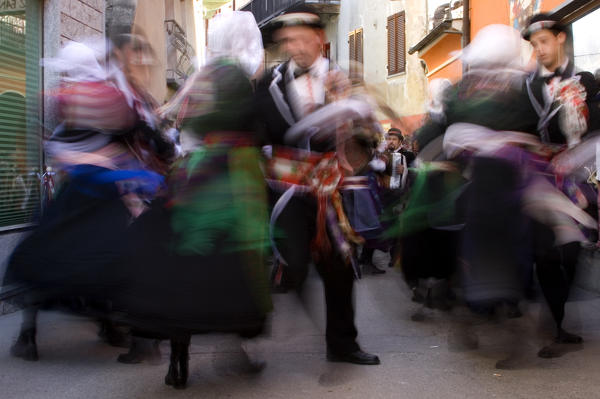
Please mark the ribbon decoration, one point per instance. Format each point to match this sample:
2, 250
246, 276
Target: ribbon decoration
295, 171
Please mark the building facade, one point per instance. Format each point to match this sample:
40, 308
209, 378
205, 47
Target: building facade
440, 46
374, 36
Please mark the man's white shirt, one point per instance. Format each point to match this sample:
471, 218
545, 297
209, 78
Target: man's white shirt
307, 92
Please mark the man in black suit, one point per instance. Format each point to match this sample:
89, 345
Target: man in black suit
563, 120
289, 92
555, 69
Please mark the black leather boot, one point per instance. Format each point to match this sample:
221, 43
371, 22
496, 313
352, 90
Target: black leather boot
184, 361
173, 373
25, 347
179, 365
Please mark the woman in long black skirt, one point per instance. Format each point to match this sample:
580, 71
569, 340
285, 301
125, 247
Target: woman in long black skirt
198, 257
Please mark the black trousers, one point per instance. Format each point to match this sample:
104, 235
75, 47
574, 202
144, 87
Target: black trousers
555, 268
295, 229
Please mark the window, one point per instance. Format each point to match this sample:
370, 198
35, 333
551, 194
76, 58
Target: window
20, 139
355, 43
396, 43
586, 48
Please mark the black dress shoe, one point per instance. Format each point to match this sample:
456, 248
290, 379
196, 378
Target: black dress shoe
356, 357
142, 350
374, 269
564, 337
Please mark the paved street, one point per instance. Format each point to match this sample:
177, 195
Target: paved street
417, 361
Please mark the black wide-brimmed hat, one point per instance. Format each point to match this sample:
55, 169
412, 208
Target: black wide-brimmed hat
540, 22
395, 132
297, 16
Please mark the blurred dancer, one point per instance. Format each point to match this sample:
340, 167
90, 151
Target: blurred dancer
561, 97
288, 94
131, 60
481, 110
430, 218
560, 94
81, 239
475, 123
199, 257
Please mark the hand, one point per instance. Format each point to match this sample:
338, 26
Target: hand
399, 169
337, 86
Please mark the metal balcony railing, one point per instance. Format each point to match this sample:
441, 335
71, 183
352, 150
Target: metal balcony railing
265, 10
179, 54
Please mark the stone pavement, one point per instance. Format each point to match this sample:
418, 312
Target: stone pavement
417, 359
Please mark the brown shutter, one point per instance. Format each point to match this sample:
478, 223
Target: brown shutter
359, 52
391, 33
359, 45
401, 41
396, 26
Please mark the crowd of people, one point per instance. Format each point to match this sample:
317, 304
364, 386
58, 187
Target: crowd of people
181, 219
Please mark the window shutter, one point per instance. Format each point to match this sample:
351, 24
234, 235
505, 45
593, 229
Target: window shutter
359, 45
352, 48
401, 42
355, 45
391, 32
20, 141
396, 43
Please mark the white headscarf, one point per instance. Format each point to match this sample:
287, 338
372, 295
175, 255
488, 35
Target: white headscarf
78, 62
235, 35
495, 45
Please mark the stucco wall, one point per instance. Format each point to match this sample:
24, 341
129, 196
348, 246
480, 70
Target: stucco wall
486, 12
549, 5
406, 92
442, 53
190, 24
150, 17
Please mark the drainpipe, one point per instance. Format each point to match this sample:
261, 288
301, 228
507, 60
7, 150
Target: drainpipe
466, 34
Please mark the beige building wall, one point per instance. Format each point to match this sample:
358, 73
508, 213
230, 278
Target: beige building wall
190, 25
150, 16
406, 93
150, 19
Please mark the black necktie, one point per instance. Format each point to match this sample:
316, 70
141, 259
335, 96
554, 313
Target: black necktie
549, 78
558, 73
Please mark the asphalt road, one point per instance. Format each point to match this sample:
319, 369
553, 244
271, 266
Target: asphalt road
419, 359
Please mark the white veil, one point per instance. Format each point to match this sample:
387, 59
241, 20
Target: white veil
235, 35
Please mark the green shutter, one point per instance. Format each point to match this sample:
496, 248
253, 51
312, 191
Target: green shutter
20, 132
